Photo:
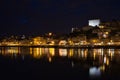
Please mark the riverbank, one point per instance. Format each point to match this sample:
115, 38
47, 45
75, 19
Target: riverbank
65, 46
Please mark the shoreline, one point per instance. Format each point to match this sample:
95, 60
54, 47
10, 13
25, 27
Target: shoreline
64, 46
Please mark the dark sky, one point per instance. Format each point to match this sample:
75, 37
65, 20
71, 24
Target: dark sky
41, 16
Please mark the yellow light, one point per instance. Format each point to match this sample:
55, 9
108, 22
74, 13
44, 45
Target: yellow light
94, 54
71, 53
101, 26
111, 40
30, 42
102, 68
50, 59
13, 50
50, 34
106, 32
107, 61
86, 51
37, 40
94, 40
70, 42
37, 52
31, 50
52, 51
52, 43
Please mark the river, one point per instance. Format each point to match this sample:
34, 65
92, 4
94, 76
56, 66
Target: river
59, 63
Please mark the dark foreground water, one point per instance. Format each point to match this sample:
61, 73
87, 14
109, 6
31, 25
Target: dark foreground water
21, 63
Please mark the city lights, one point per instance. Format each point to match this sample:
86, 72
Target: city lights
98, 36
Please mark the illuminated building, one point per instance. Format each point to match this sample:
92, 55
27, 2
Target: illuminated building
62, 42
38, 40
77, 40
93, 23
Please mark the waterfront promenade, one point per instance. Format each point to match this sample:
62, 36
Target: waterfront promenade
65, 46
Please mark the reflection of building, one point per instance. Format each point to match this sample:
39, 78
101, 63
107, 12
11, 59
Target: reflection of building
63, 52
94, 72
52, 51
39, 52
13, 50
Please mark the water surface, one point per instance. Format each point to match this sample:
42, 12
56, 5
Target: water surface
59, 63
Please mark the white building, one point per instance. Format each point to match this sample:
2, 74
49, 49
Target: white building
94, 22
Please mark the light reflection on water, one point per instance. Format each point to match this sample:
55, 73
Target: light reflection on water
98, 61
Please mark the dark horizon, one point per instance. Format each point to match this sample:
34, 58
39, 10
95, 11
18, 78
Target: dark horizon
42, 16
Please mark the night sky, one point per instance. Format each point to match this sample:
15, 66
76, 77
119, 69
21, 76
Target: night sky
59, 16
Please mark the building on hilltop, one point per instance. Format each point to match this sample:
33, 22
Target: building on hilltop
94, 22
